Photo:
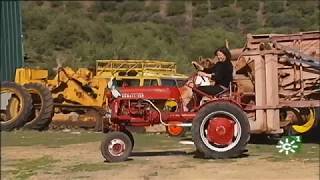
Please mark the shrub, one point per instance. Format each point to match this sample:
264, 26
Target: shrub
248, 5
274, 6
153, 7
176, 8
104, 6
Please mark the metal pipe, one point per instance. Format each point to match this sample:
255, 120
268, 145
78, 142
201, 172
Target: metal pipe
160, 116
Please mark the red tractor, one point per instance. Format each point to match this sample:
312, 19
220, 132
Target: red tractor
220, 127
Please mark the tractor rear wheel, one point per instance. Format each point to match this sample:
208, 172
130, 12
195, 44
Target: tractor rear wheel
18, 108
41, 116
116, 146
221, 130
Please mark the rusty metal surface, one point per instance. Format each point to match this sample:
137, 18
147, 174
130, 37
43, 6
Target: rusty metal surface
282, 70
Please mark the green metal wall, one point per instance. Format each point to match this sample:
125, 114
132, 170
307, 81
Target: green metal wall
11, 39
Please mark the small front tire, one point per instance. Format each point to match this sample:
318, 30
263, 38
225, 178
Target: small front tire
116, 147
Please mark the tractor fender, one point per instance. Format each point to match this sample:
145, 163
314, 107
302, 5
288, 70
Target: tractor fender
221, 100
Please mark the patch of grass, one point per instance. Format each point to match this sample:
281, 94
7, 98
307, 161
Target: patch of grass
89, 167
24, 169
53, 139
185, 166
307, 153
56, 139
156, 141
154, 173
82, 177
209, 161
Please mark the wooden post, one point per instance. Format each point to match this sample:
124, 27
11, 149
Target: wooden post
272, 92
260, 94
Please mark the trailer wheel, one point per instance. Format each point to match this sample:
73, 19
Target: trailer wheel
116, 146
175, 131
221, 130
41, 116
18, 108
306, 123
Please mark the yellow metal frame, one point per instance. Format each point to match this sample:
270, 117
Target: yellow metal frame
308, 125
81, 87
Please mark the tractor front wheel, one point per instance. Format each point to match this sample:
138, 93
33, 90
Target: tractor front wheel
116, 146
129, 134
221, 130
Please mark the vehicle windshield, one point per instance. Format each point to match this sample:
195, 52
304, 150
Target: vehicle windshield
168, 82
128, 83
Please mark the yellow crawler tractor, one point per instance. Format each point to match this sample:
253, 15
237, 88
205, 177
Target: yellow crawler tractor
80, 92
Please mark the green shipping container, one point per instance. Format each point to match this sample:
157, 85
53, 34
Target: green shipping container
11, 39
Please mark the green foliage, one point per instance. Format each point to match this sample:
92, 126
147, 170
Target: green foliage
248, 17
64, 32
248, 5
56, 4
24, 169
91, 167
153, 7
72, 5
201, 10
104, 6
274, 6
225, 12
130, 6
305, 7
36, 18
217, 4
122, 29
204, 41
176, 8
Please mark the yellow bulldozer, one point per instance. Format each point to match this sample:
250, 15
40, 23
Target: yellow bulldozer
75, 98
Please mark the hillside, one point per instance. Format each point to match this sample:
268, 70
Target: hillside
76, 33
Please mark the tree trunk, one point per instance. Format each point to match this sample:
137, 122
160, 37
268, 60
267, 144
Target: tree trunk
235, 3
209, 6
147, 3
285, 5
163, 8
188, 14
260, 16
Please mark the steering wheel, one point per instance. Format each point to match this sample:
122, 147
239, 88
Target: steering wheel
196, 65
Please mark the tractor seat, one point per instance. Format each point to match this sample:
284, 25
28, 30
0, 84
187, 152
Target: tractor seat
205, 99
225, 92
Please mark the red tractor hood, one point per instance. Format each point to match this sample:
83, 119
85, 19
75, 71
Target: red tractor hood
150, 92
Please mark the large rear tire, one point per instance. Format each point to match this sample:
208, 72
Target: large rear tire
221, 130
116, 147
41, 117
22, 106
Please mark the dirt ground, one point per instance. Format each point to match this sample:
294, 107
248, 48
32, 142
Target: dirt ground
154, 157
